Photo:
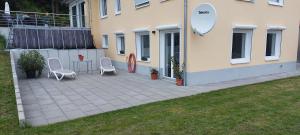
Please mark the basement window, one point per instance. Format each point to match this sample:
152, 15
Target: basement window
143, 46
105, 41
273, 45
120, 44
241, 46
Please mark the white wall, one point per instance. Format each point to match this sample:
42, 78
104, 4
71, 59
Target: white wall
4, 31
66, 56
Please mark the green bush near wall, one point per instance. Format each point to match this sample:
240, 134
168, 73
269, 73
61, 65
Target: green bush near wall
2, 43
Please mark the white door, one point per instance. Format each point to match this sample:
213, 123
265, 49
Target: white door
170, 48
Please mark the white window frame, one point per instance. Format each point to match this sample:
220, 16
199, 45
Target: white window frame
102, 15
278, 43
248, 46
119, 43
139, 45
280, 3
117, 4
77, 17
105, 41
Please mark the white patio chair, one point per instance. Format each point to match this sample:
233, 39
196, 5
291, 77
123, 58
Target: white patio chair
106, 66
56, 69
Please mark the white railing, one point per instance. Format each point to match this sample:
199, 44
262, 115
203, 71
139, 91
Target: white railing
20, 18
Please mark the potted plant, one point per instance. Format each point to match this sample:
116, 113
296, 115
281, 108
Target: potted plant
122, 52
178, 72
81, 57
144, 59
32, 63
154, 74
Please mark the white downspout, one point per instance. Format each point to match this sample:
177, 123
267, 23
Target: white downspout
185, 41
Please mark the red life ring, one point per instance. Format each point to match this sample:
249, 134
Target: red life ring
131, 63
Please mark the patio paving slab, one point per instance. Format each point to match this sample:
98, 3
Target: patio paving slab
47, 101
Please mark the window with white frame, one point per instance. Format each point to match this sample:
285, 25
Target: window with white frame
276, 2
120, 44
104, 41
141, 3
143, 46
241, 46
273, 44
117, 7
103, 8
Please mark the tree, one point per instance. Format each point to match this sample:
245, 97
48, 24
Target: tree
54, 6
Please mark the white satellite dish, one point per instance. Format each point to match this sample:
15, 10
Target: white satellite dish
203, 18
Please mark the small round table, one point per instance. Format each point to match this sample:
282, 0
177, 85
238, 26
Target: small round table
77, 63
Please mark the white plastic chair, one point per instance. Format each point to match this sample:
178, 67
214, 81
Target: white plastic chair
56, 69
106, 66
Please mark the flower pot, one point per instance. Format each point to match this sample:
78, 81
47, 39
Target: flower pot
81, 57
179, 82
154, 76
31, 74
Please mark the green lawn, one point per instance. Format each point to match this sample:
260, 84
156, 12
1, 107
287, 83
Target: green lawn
267, 108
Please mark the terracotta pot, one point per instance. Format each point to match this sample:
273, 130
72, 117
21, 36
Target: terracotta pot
154, 76
81, 57
179, 82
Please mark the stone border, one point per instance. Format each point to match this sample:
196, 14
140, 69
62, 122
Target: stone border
20, 108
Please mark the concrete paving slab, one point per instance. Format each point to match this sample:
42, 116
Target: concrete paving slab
47, 101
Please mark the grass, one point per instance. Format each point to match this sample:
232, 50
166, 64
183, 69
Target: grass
266, 108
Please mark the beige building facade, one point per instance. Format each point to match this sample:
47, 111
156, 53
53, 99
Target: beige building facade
249, 38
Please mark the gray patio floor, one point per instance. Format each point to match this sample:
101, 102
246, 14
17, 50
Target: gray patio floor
48, 101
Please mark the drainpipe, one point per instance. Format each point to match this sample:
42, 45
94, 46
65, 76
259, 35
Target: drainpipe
185, 42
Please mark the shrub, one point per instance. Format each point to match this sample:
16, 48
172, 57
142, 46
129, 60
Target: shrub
31, 61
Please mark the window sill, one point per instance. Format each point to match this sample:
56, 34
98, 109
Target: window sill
276, 4
117, 13
148, 61
240, 61
271, 58
142, 6
103, 17
162, 1
105, 48
121, 54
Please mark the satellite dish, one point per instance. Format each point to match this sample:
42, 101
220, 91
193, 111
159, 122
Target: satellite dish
203, 18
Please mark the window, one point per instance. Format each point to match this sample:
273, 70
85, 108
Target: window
77, 14
105, 41
82, 14
103, 8
121, 44
141, 3
241, 46
276, 2
74, 16
273, 44
143, 46
117, 7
